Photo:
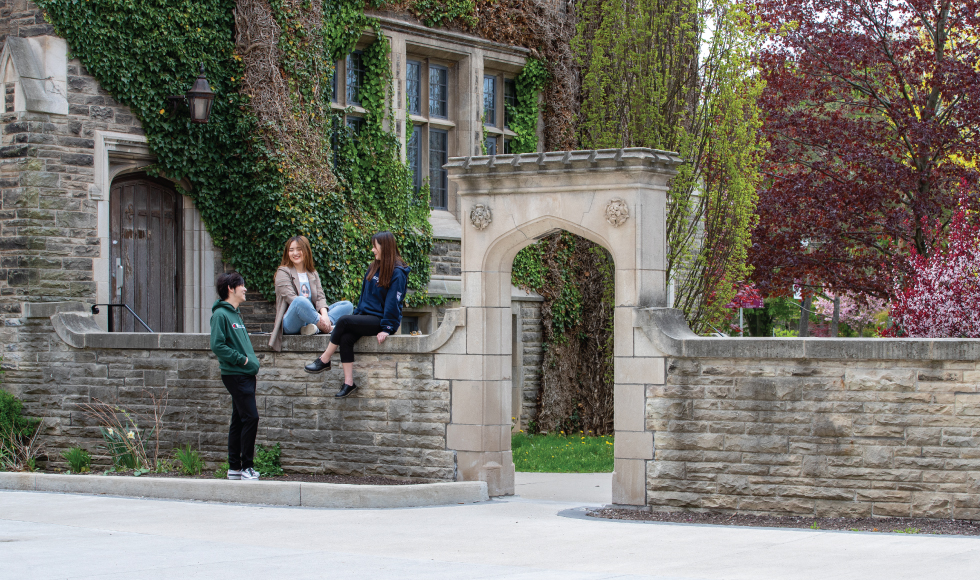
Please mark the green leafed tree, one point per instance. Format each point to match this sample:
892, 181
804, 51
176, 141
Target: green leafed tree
677, 75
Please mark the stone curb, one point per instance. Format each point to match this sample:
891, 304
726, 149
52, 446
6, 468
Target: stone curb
279, 493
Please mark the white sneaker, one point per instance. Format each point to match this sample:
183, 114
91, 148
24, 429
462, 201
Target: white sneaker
249, 475
234, 474
309, 329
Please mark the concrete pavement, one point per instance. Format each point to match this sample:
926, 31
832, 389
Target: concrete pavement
54, 536
587, 488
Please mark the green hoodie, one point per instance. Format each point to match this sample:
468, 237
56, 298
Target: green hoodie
230, 342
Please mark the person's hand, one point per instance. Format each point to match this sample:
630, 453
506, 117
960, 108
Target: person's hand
324, 325
382, 336
245, 364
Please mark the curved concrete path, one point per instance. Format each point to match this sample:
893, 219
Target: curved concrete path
54, 536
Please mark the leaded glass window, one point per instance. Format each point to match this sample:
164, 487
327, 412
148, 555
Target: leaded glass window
490, 100
438, 179
438, 91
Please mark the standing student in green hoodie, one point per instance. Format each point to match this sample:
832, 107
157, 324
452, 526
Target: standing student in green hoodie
239, 365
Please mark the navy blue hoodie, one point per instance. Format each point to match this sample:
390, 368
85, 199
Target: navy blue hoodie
385, 303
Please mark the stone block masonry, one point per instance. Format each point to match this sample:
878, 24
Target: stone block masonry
48, 223
816, 427
445, 258
532, 356
395, 426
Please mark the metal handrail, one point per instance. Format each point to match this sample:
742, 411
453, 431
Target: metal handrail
95, 310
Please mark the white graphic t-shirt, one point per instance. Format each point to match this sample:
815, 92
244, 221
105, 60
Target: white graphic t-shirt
304, 285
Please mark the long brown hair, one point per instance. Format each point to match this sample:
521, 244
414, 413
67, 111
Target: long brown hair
304, 245
390, 258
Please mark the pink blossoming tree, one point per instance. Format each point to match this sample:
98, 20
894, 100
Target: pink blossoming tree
857, 312
941, 299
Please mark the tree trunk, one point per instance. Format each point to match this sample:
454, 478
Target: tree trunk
805, 308
835, 321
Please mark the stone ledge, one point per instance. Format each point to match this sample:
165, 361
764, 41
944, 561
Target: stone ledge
668, 330
281, 493
591, 160
49, 309
78, 329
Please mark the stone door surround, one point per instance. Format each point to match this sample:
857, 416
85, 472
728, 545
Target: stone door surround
616, 198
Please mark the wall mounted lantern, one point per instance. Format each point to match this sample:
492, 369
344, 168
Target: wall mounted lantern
199, 99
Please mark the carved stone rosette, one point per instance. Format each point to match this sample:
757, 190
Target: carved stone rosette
617, 212
480, 216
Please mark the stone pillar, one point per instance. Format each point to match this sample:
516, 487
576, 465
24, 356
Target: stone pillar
201, 262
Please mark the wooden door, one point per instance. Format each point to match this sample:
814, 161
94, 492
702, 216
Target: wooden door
144, 263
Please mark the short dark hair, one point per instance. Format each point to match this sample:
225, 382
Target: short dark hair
228, 281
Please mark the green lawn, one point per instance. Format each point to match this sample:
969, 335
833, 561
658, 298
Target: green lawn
562, 454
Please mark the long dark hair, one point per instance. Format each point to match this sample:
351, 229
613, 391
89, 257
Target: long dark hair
390, 258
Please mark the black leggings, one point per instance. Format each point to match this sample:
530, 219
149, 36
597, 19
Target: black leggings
350, 328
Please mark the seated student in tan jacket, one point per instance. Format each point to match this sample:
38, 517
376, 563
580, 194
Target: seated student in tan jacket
301, 307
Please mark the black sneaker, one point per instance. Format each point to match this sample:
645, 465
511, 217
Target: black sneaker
317, 366
345, 390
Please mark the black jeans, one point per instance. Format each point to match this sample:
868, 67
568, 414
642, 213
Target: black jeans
244, 420
350, 328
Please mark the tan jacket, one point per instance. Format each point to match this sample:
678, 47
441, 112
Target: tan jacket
287, 288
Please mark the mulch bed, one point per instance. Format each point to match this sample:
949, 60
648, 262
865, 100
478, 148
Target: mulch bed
888, 525
325, 478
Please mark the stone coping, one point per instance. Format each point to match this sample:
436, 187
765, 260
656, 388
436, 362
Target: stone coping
74, 324
591, 160
277, 493
668, 330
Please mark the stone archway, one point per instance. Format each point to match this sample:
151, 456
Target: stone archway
616, 198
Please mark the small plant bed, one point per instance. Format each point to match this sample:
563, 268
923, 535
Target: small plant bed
560, 453
885, 525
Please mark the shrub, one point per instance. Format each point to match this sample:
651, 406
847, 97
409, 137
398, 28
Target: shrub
19, 436
78, 459
190, 460
268, 460
11, 418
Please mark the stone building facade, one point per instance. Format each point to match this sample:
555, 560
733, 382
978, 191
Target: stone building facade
67, 148
66, 144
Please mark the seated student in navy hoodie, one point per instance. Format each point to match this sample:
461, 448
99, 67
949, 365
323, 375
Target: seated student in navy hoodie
379, 312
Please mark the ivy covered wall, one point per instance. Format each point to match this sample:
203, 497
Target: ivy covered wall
274, 160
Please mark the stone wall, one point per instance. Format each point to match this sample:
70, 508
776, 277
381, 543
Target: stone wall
816, 427
445, 258
48, 224
22, 18
258, 313
395, 426
532, 355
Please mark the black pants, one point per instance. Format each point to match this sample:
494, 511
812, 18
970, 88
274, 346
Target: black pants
244, 420
350, 328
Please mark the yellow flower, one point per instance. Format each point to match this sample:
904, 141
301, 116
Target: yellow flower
161, 111
608, 442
